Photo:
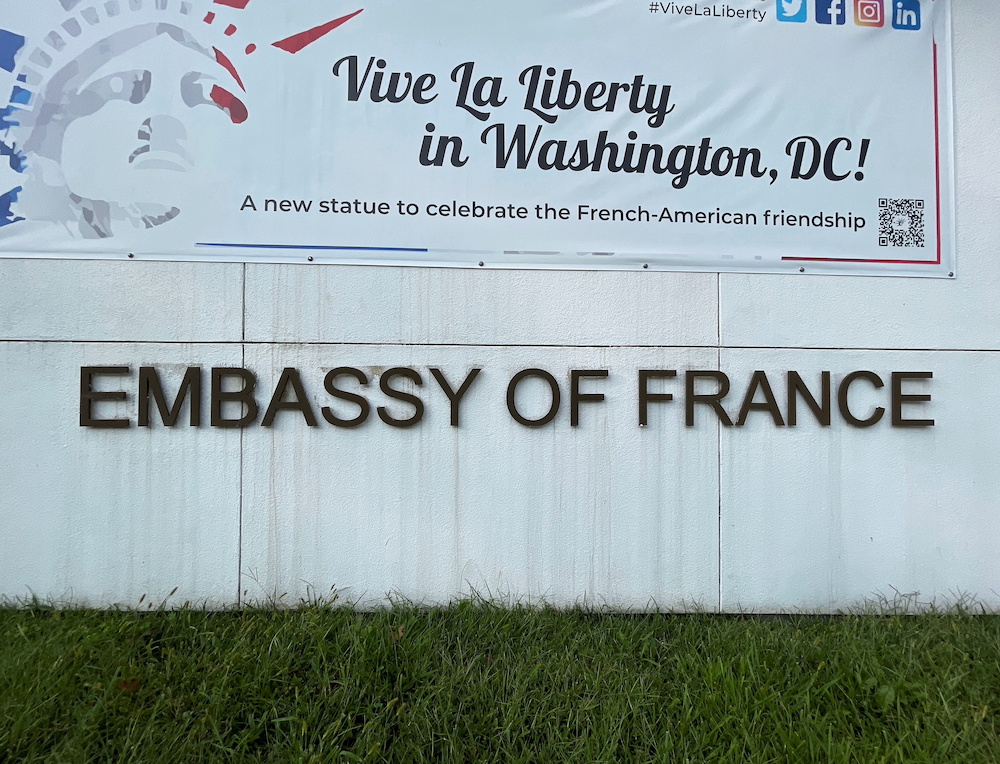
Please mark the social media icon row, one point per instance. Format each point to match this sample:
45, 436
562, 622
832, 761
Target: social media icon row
905, 14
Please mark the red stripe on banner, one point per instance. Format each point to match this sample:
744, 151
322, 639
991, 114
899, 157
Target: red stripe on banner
937, 152
297, 42
856, 260
937, 178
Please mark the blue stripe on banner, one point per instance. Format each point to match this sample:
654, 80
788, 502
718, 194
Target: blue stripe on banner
310, 246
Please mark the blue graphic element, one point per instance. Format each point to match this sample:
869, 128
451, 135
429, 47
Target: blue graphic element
792, 10
18, 162
10, 44
831, 11
6, 200
20, 95
906, 14
7, 114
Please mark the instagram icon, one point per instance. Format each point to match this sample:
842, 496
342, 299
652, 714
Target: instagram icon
869, 13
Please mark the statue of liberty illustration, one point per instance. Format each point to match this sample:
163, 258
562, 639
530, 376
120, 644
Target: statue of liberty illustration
121, 84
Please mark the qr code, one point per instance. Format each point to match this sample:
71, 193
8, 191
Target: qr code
901, 222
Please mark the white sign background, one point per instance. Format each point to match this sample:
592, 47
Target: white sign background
738, 76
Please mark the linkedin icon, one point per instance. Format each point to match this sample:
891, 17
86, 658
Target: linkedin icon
906, 14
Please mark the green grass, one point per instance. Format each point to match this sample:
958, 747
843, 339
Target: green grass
474, 682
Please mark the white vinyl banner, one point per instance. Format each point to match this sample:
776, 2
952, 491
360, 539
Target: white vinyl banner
748, 135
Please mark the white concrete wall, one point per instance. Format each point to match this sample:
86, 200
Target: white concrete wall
754, 518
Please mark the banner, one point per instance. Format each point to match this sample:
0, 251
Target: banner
750, 135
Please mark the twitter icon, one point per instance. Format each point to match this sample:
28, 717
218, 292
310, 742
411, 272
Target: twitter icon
792, 10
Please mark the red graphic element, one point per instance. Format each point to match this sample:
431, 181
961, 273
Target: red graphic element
238, 4
226, 64
297, 42
209, 17
250, 49
232, 105
230, 30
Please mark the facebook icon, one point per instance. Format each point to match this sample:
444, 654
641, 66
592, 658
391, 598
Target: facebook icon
831, 12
